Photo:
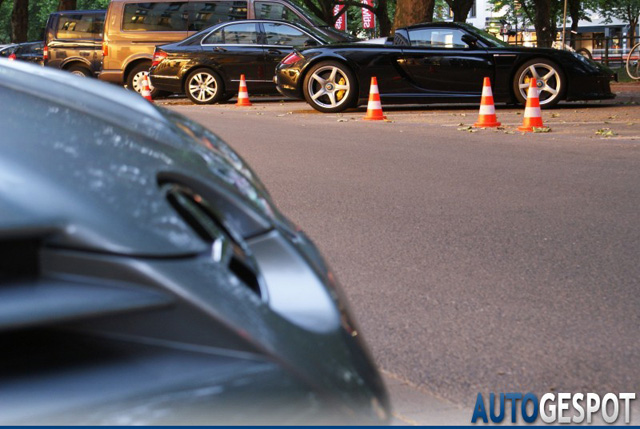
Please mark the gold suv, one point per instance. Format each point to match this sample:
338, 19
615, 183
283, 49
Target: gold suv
133, 29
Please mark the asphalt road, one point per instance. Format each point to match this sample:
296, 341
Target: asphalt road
487, 261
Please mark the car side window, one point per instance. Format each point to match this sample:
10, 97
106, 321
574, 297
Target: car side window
277, 11
77, 26
284, 35
233, 34
151, 16
206, 14
446, 38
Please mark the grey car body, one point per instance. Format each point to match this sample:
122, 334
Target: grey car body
147, 276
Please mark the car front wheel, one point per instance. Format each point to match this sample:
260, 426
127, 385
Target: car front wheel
204, 86
550, 81
330, 87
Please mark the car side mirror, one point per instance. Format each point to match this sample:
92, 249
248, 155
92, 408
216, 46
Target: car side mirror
470, 40
309, 43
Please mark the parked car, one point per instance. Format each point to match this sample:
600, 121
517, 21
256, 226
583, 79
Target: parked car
147, 276
31, 52
207, 66
73, 41
6, 50
435, 63
133, 29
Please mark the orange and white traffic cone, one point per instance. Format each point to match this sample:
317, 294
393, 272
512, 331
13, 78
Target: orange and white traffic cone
243, 94
532, 113
146, 91
374, 108
487, 116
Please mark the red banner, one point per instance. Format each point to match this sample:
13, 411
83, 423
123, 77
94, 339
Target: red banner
368, 18
341, 23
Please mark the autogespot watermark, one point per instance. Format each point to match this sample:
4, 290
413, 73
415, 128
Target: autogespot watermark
553, 408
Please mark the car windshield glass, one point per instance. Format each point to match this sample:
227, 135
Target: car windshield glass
485, 36
307, 13
315, 33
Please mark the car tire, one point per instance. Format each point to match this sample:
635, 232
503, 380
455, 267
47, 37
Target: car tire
79, 71
134, 80
330, 87
550, 79
204, 86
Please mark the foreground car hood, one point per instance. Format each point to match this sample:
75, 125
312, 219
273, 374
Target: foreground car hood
144, 272
111, 166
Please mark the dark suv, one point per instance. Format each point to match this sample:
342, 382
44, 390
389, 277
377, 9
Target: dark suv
73, 41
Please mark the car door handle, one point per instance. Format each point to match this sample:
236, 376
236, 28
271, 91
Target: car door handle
275, 52
219, 49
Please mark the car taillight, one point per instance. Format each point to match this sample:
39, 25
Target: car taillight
12, 56
157, 57
291, 58
105, 49
45, 53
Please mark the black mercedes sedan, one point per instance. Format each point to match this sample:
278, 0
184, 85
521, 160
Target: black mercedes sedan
146, 276
438, 63
207, 66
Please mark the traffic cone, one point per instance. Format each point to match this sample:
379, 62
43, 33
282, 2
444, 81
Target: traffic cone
374, 108
532, 113
487, 116
146, 91
243, 94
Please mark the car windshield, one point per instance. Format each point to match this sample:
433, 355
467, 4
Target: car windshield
315, 33
485, 36
308, 14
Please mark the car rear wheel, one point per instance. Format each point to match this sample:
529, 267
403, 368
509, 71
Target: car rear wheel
134, 80
330, 87
79, 71
204, 86
550, 81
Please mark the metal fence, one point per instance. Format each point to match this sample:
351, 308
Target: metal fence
602, 49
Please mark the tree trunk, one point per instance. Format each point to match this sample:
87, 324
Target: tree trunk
384, 23
542, 23
67, 5
574, 13
410, 12
20, 21
460, 9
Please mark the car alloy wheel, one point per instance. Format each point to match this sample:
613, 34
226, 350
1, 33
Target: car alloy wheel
79, 71
549, 80
137, 81
204, 87
329, 87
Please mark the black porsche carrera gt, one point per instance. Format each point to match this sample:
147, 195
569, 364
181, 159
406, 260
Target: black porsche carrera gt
438, 63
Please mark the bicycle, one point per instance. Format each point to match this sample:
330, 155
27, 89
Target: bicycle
633, 62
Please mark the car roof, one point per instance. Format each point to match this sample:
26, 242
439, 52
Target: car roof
434, 24
87, 11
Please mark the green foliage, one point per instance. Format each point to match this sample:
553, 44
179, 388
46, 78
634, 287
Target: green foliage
5, 21
624, 10
39, 11
519, 11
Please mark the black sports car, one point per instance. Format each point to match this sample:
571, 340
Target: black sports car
207, 66
436, 63
146, 276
